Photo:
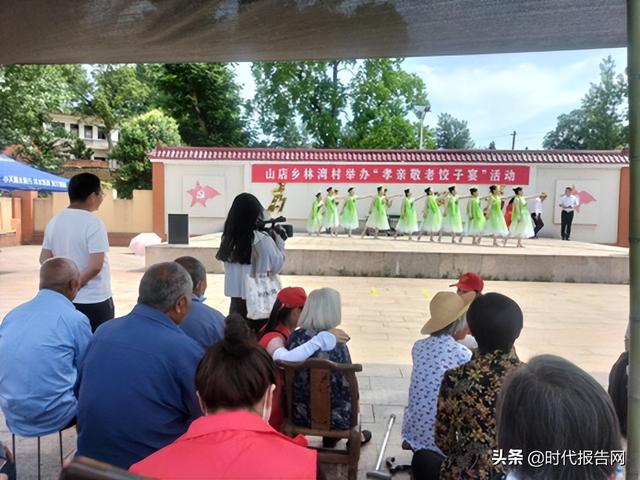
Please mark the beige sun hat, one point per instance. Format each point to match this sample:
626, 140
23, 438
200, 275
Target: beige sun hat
446, 308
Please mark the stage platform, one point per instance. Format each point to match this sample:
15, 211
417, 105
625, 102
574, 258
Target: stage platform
542, 260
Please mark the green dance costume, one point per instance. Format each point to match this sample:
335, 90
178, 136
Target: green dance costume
330, 219
476, 223
378, 217
408, 222
452, 222
521, 224
349, 217
314, 222
496, 224
432, 217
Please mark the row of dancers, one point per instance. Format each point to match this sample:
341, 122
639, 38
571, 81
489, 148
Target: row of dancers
487, 222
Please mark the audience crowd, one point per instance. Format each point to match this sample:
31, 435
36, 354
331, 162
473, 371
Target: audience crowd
173, 390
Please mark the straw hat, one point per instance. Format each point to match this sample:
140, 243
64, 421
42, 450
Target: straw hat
446, 308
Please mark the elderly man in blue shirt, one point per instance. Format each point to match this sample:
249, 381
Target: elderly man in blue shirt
42, 346
204, 324
137, 391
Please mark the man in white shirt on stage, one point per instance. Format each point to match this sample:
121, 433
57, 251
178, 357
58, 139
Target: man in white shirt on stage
568, 204
537, 214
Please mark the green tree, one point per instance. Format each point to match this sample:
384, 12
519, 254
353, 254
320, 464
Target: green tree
138, 136
114, 93
452, 133
383, 96
492, 145
28, 95
601, 121
205, 101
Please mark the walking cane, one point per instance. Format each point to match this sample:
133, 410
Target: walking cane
377, 473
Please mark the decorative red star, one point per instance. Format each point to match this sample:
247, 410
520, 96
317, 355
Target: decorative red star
201, 195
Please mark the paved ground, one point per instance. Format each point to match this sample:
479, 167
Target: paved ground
584, 323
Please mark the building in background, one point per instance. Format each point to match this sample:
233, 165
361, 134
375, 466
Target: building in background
90, 130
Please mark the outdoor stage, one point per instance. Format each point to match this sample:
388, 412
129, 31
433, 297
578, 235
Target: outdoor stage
543, 260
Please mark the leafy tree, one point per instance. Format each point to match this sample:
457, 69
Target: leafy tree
452, 133
600, 122
78, 149
28, 94
300, 102
138, 136
383, 96
492, 145
114, 93
205, 101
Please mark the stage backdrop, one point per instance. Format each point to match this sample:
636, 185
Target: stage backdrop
588, 194
203, 196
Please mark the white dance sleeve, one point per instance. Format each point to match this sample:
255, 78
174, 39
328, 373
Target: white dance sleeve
322, 341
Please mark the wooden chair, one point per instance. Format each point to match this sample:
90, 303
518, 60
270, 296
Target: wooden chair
320, 409
83, 468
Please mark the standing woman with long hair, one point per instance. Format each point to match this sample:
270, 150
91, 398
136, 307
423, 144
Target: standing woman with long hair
239, 238
496, 225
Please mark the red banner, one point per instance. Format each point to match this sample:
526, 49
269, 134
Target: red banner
481, 174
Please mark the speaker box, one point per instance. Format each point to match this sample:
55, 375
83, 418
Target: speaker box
178, 229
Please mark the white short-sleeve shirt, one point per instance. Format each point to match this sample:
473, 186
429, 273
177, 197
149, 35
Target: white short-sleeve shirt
76, 234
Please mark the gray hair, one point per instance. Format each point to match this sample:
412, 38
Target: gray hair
452, 328
194, 268
322, 310
163, 284
57, 272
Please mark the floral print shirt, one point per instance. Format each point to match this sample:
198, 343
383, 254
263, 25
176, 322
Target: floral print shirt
465, 422
340, 391
432, 357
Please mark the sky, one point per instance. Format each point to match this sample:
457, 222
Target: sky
497, 94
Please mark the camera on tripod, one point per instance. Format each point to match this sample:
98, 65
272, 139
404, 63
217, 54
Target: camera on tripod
277, 226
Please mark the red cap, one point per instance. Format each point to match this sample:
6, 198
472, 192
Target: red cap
292, 297
470, 282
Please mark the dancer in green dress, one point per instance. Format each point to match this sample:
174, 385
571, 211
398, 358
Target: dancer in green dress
314, 222
378, 219
521, 222
330, 220
495, 226
452, 218
349, 215
432, 216
408, 222
475, 217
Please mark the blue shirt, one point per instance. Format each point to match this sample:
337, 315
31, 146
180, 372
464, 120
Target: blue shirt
42, 346
432, 357
137, 391
204, 324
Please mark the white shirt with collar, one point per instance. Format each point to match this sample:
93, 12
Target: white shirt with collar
568, 202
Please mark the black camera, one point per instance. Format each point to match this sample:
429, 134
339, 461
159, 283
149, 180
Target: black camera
275, 225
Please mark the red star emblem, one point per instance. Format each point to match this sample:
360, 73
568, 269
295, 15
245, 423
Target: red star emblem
200, 194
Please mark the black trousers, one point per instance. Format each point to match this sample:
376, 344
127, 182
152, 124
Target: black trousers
425, 465
538, 223
565, 226
98, 313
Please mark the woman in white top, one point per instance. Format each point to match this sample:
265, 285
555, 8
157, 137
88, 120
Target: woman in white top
239, 236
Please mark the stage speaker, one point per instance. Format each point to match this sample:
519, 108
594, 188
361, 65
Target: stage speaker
178, 229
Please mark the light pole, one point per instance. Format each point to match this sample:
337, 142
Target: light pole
421, 113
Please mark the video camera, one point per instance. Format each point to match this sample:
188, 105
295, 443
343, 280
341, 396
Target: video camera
275, 225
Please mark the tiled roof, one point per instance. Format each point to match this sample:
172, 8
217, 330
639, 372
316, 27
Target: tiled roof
426, 156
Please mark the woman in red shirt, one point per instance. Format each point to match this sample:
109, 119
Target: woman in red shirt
235, 382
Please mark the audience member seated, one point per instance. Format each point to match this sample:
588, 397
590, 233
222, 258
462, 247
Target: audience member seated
42, 346
619, 382
465, 422
432, 357
7, 464
137, 389
468, 282
273, 337
235, 381
551, 405
203, 323
322, 312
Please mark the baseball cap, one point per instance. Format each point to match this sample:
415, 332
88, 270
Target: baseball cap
470, 282
292, 297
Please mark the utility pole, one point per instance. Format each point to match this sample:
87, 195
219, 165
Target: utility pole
513, 140
421, 112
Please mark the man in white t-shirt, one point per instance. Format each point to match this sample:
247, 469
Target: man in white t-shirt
77, 233
536, 215
568, 204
